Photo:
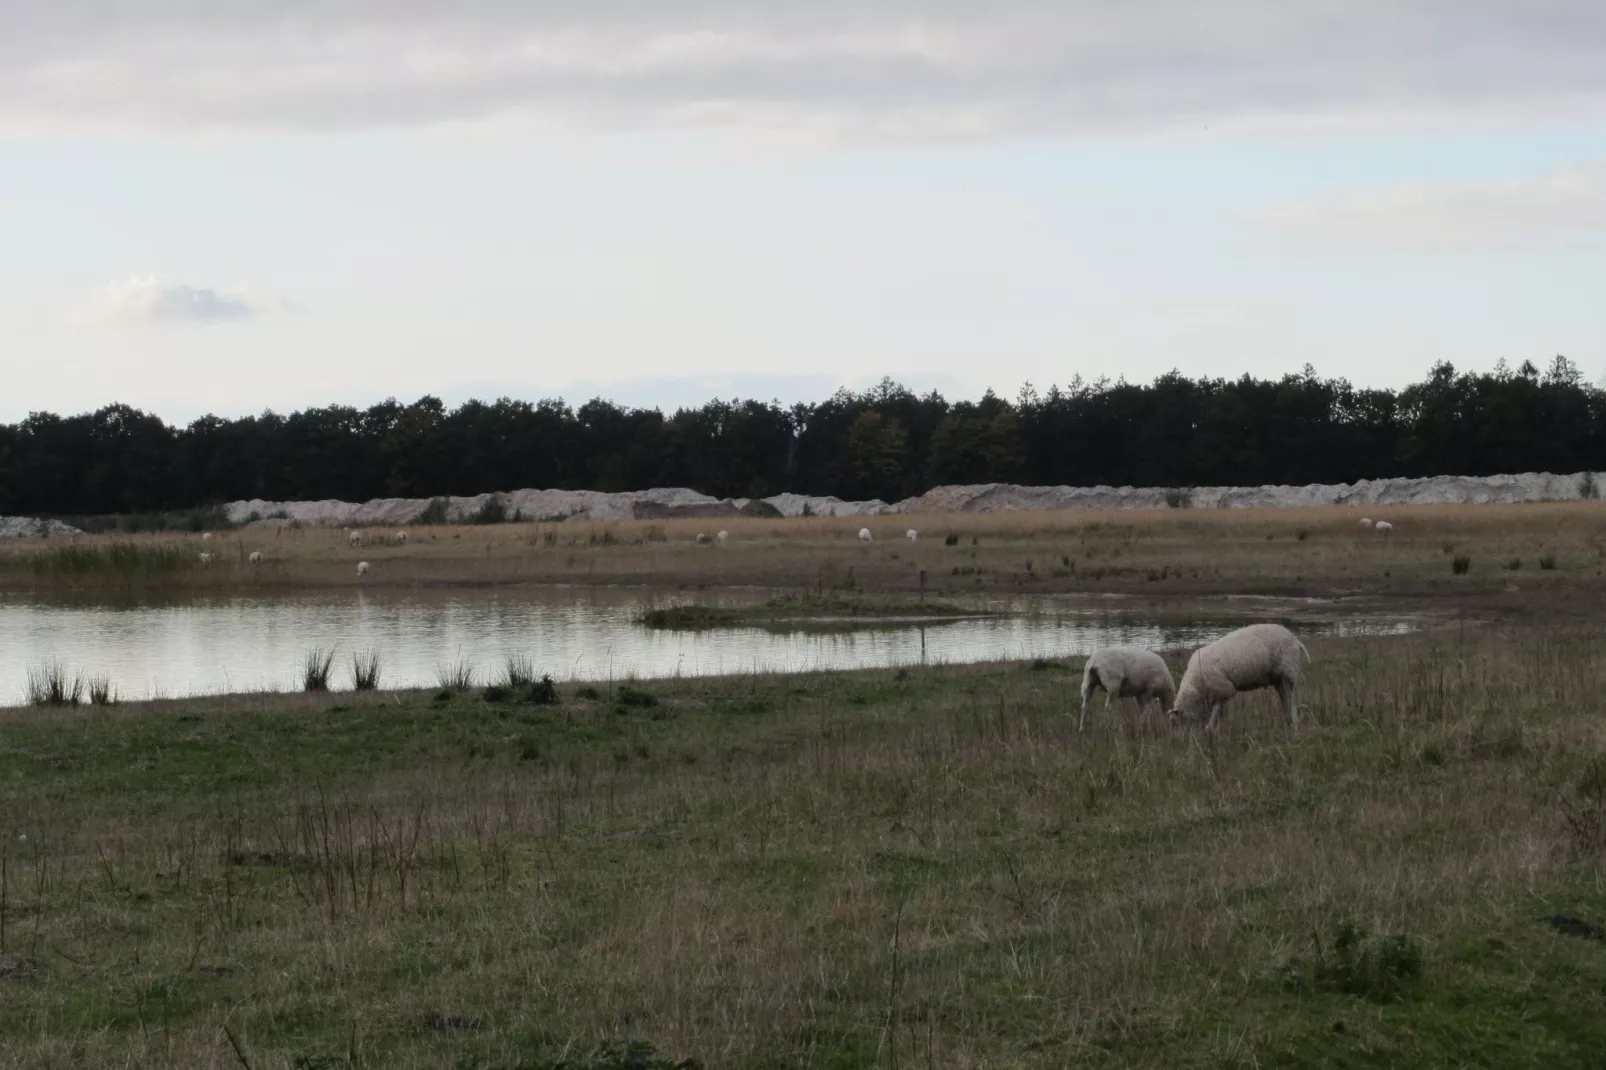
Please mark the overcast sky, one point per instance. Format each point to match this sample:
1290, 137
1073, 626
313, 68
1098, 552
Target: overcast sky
231, 205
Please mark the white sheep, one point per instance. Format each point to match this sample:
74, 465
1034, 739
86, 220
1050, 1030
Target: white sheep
1126, 672
206, 559
354, 538
723, 536
1383, 527
362, 568
702, 538
256, 557
1366, 521
1261, 655
912, 535
865, 536
206, 536
401, 538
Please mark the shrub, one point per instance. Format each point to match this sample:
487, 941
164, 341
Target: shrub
434, 512
635, 698
496, 693
589, 693
544, 692
1461, 564
1179, 498
491, 511
1382, 970
1548, 562
49, 685
315, 669
365, 671
951, 540
1513, 565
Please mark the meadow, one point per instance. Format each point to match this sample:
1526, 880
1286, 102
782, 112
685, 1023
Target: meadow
921, 868
1547, 547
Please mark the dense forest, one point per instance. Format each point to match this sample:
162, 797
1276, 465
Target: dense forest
884, 443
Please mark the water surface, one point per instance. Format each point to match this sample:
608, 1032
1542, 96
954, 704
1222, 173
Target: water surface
215, 644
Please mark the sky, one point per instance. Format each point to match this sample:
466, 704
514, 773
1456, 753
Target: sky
226, 206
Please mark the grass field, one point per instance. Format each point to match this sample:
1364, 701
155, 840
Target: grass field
928, 868
1284, 551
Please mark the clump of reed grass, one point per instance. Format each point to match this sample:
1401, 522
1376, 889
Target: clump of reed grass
51, 685
316, 668
118, 558
1461, 564
101, 691
518, 673
365, 667
456, 676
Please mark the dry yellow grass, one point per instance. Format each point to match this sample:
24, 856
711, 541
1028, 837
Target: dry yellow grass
1317, 551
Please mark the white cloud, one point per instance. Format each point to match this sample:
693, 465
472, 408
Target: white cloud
897, 69
149, 300
1564, 208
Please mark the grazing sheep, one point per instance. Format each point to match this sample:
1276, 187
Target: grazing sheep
256, 557
1126, 672
1261, 655
865, 536
206, 536
723, 536
354, 538
206, 559
701, 537
1366, 521
1383, 527
362, 568
912, 535
401, 538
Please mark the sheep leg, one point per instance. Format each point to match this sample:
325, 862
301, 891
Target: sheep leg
1090, 683
1215, 716
1285, 692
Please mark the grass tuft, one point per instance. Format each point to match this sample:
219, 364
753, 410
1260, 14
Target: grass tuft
1461, 564
101, 691
365, 670
518, 673
51, 685
456, 676
316, 668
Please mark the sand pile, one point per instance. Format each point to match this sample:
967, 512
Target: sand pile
26, 527
551, 506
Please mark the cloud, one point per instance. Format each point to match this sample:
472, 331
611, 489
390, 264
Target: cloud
894, 70
147, 300
1564, 208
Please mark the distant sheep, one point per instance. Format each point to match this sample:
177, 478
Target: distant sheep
723, 536
701, 537
401, 538
912, 535
362, 568
1383, 527
206, 559
865, 536
206, 536
1366, 521
1261, 655
256, 557
354, 538
1126, 672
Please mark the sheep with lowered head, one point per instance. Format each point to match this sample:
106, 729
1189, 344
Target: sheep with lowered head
865, 536
1261, 655
1366, 521
1126, 672
256, 557
912, 535
1383, 527
362, 568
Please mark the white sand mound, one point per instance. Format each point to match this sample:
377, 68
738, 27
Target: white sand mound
26, 527
551, 506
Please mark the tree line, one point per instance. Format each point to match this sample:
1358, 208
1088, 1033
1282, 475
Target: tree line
885, 442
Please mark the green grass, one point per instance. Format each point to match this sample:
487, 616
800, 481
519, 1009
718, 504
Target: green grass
925, 868
116, 559
803, 610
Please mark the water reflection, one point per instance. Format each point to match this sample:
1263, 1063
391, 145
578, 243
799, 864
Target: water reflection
210, 645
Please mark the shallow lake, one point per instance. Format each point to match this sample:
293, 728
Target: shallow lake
229, 644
